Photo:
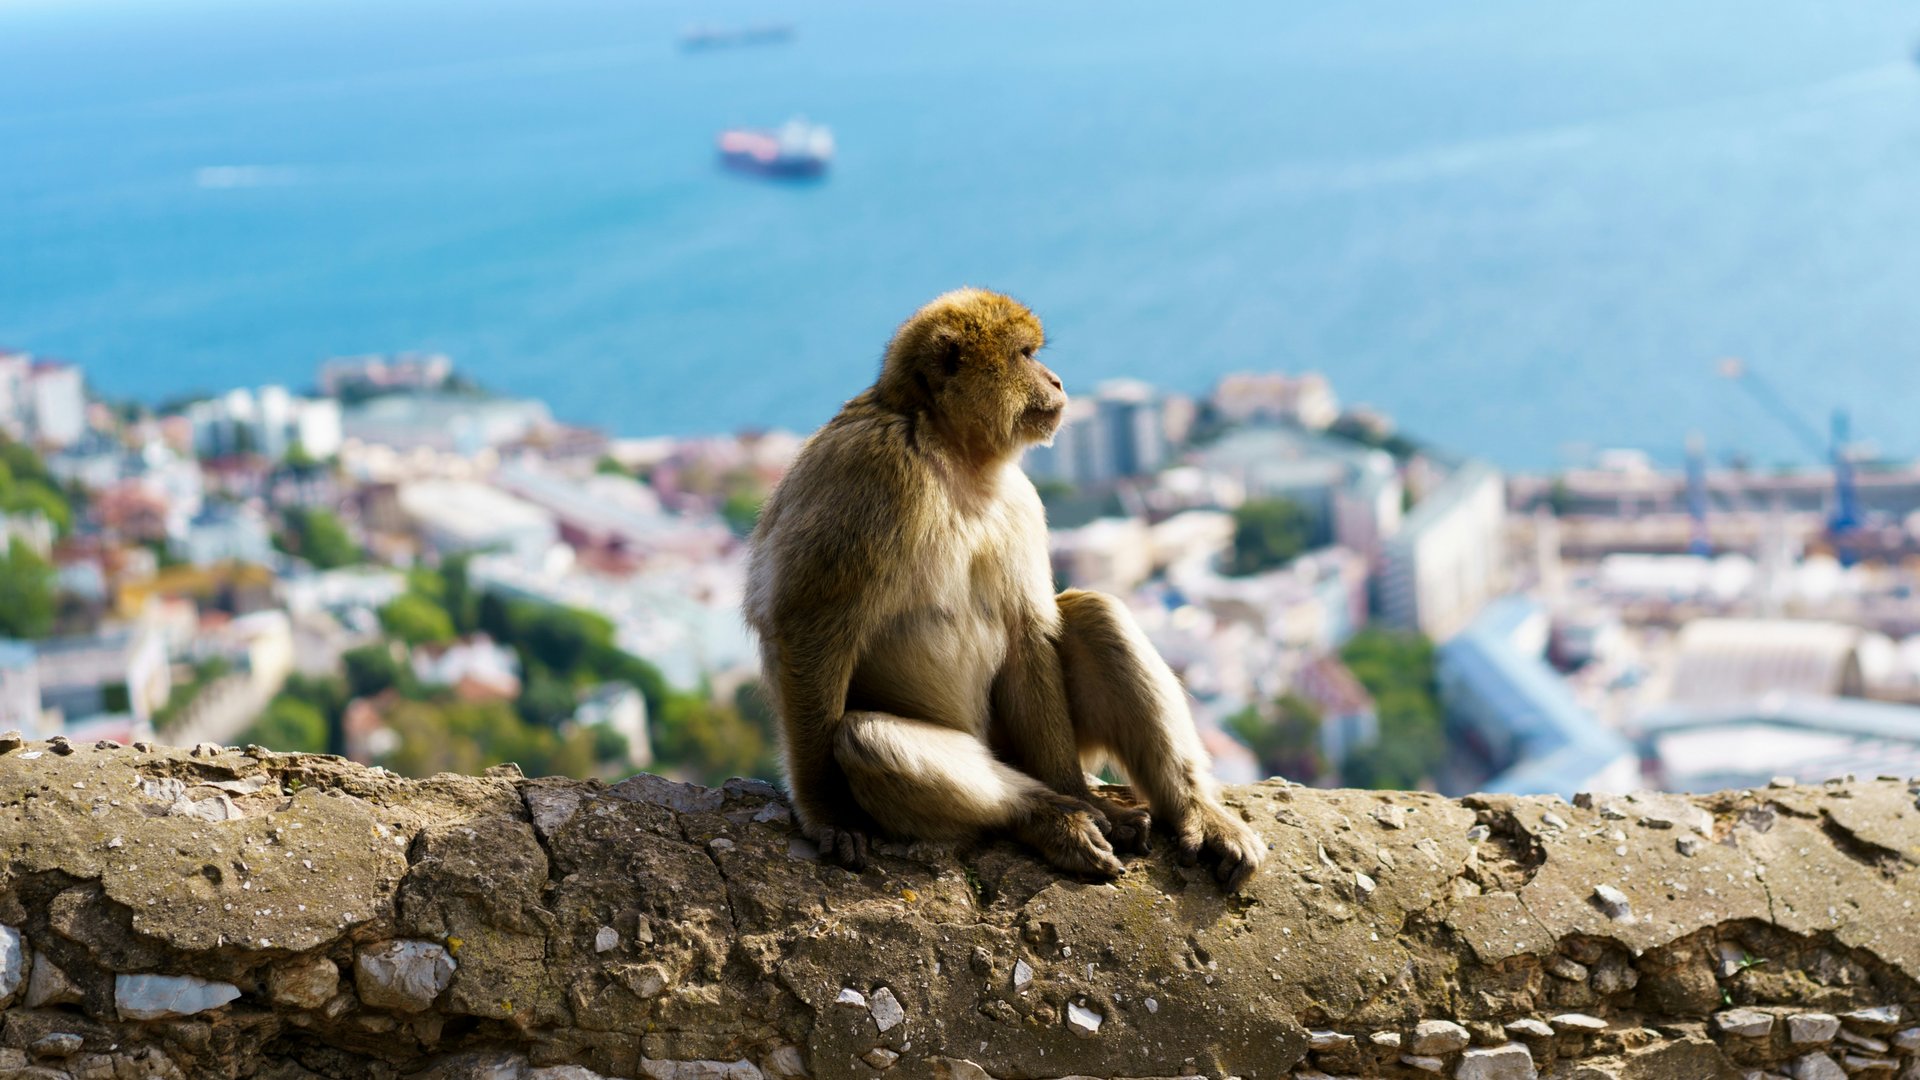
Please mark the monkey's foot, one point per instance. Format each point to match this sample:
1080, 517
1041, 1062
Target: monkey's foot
1128, 826
845, 847
1222, 840
1066, 831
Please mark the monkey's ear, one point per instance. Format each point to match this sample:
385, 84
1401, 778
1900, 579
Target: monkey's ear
947, 348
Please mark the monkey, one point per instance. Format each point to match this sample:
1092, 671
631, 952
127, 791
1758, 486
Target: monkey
929, 682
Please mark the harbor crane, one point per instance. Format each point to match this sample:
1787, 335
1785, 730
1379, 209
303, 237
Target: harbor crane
1843, 518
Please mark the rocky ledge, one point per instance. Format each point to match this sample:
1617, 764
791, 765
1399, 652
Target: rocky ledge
238, 913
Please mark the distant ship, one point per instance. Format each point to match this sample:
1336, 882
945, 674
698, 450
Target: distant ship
796, 148
696, 38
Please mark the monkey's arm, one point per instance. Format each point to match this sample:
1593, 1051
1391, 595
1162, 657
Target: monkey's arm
811, 692
1033, 727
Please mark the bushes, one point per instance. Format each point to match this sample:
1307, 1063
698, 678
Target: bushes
318, 537
1267, 534
1398, 670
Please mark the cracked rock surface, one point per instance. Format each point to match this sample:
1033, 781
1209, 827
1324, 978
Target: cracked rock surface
340, 922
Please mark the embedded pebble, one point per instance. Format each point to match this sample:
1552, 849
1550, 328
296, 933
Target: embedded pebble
1083, 1021
158, 997
1478, 833
1552, 820
1562, 967
1328, 1040
880, 1057
1689, 846
13, 963
1389, 1040
886, 1010
1423, 1062
850, 996
1390, 816
1908, 1040
1363, 883
1817, 1066
1509, 1062
58, 1045
1883, 1018
1804, 1028
1863, 1042
1022, 974
1612, 902
1746, 1023
1530, 1029
404, 975
606, 939
306, 983
1577, 1024
1437, 1037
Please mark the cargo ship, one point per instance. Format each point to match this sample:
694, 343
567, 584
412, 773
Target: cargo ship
795, 149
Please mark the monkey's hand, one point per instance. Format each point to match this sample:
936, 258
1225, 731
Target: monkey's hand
1127, 826
1215, 834
1067, 832
841, 846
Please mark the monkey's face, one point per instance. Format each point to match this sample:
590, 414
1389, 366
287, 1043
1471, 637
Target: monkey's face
970, 360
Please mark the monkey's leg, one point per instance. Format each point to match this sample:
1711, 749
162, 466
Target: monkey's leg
1128, 704
924, 781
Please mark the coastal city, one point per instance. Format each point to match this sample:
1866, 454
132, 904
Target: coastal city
400, 567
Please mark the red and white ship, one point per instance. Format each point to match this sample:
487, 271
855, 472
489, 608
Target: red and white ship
796, 148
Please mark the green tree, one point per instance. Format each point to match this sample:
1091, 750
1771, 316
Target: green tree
546, 701
26, 593
1398, 670
29, 496
1286, 738
710, 741
371, 669
318, 536
290, 725
458, 597
467, 737
741, 510
416, 620
1267, 533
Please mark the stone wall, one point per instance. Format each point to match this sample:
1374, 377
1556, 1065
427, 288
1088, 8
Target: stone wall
221, 913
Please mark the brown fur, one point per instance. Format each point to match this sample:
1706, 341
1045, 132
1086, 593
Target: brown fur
929, 682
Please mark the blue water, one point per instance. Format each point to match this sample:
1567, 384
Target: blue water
1525, 229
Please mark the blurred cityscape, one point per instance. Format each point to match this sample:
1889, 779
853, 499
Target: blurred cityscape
403, 568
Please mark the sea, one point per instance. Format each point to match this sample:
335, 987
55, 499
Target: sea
1528, 231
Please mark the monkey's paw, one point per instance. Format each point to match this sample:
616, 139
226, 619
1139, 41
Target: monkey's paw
1233, 849
1067, 832
1127, 826
844, 847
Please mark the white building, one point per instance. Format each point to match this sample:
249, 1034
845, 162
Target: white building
269, 421
1109, 554
223, 533
14, 402
1274, 397
57, 403
1118, 433
462, 515
1445, 561
473, 664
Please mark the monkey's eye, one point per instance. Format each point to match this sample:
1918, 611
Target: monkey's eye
1027, 352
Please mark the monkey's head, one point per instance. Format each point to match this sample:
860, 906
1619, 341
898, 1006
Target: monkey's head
968, 361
